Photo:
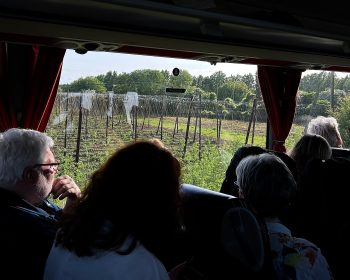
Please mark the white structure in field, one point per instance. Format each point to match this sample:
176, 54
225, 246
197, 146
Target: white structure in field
131, 99
110, 104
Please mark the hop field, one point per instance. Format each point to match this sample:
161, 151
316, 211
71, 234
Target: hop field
85, 137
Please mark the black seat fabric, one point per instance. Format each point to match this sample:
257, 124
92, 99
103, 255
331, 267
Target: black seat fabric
241, 238
214, 222
230, 176
321, 211
341, 153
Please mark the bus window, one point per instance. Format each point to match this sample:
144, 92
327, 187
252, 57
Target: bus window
201, 116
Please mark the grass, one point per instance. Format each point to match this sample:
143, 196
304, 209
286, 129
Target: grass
207, 172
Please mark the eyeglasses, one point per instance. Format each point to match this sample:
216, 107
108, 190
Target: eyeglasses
52, 166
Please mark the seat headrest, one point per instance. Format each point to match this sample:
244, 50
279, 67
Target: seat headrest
202, 213
242, 238
340, 153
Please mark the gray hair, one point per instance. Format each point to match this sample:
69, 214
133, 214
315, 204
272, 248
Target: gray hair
20, 148
266, 183
327, 127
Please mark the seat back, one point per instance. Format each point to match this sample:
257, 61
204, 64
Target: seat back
341, 153
241, 238
224, 237
322, 209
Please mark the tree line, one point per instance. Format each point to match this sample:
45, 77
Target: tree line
318, 93
322, 93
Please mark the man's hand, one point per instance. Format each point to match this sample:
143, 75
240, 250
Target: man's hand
65, 187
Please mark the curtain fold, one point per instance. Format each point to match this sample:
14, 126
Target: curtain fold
45, 72
279, 87
29, 77
7, 107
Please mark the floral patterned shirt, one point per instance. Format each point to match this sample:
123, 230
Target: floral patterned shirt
296, 258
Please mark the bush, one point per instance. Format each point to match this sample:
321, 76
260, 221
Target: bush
342, 114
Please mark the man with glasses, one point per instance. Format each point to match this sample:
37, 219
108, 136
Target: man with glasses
28, 220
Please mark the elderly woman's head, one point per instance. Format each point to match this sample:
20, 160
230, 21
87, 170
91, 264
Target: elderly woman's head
266, 183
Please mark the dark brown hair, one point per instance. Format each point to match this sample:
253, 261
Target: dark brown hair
134, 194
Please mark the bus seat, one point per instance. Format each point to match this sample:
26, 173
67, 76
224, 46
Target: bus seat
322, 209
287, 160
341, 153
242, 239
224, 238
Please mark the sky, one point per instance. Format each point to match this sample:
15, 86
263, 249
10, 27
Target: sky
76, 65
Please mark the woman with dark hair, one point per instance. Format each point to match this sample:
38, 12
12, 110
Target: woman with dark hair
309, 147
126, 217
228, 186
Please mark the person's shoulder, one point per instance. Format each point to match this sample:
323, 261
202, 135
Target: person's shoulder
24, 221
310, 251
302, 243
149, 265
311, 262
146, 256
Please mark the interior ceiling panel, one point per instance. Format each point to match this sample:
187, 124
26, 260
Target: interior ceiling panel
278, 33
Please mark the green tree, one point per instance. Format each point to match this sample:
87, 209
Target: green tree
183, 80
209, 95
63, 88
166, 74
342, 114
147, 82
315, 82
100, 77
321, 108
198, 81
88, 83
338, 94
249, 80
304, 102
109, 79
346, 84
237, 90
122, 84
216, 81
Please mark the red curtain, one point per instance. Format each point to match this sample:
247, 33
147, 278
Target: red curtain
7, 108
279, 87
45, 72
38, 72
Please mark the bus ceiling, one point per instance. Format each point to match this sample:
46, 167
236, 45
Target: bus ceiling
249, 32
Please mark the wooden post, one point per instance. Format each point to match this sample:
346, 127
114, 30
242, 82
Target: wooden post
79, 130
200, 128
107, 119
176, 126
112, 111
332, 92
65, 128
252, 114
219, 130
144, 116
135, 123
195, 127
187, 128
86, 122
218, 125
253, 131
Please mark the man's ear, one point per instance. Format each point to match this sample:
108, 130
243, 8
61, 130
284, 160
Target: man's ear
30, 175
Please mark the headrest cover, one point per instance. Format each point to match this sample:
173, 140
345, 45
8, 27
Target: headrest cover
242, 239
